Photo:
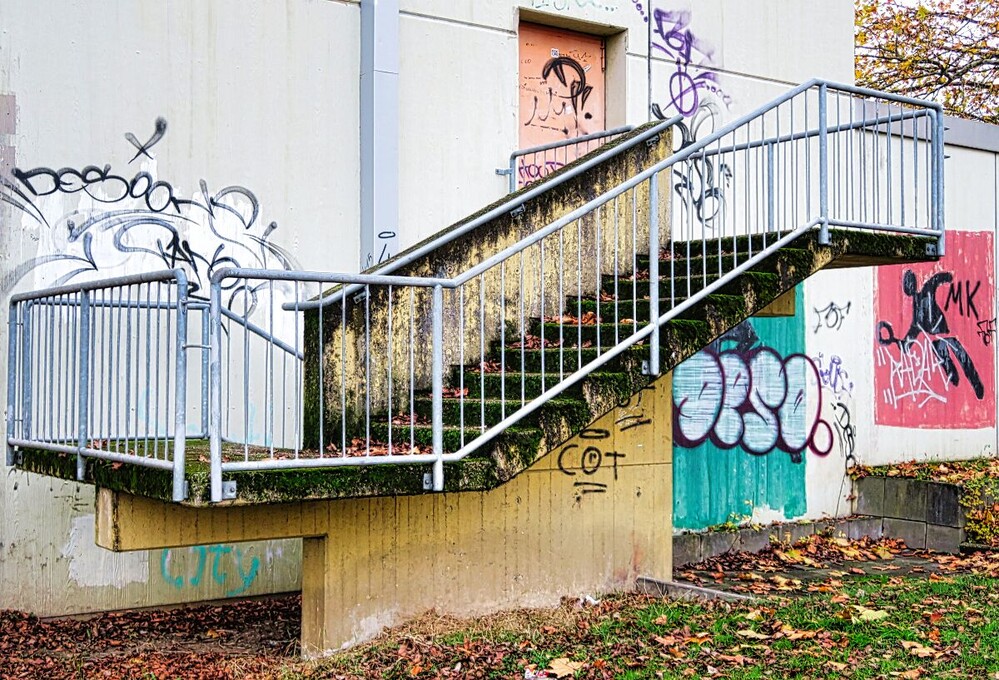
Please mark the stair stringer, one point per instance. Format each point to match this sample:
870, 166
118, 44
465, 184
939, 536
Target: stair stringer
695, 329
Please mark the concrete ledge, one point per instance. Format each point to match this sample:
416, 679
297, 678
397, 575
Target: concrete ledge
690, 548
686, 591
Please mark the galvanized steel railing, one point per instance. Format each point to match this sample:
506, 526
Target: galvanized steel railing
356, 376
99, 370
533, 164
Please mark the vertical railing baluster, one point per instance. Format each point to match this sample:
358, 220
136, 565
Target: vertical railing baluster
437, 379
83, 433
13, 412
180, 427
215, 391
653, 274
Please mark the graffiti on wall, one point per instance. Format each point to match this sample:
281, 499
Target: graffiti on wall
592, 464
838, 403
569, 5
933, 363
101, 219
758, 390
561, 88
230, 567
751, 397
830, 317
691, 81
693, 92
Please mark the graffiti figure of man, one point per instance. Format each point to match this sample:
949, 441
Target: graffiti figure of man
927, 317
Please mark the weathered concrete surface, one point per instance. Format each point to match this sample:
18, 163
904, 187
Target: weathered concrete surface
496, 295
591, 519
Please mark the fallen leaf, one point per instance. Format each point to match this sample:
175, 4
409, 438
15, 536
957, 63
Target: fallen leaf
563, 668
752, 634
867, 615
916, 649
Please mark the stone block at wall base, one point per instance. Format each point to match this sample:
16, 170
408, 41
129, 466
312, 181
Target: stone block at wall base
913, 533
943, 539
905, 499
752, 540
791, 533
716, 543
686, 549
870, 493
864, 527
943, 505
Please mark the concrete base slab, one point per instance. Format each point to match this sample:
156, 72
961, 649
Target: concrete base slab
686, 591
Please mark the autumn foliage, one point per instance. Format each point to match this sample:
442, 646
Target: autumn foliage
943, 50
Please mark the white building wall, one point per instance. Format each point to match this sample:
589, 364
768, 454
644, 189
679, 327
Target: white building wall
971, 191
262, 96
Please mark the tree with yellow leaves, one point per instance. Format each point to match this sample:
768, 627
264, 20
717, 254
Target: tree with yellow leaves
943, 50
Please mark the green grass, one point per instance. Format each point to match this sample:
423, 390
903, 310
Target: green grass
945, 627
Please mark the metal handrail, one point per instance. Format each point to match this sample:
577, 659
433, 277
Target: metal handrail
707, 150
77, 329
511, 204
511, 170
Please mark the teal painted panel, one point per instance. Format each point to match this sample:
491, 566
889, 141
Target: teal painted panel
743, 423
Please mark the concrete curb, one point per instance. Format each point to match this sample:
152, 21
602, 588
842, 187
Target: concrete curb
685, 591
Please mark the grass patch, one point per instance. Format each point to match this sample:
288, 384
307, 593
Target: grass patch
873, 627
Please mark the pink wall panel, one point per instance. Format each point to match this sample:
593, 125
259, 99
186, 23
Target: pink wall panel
934, 343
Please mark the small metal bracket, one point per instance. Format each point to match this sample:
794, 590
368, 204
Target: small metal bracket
645, 367
931, 249
504, 171
187, 490
519, 210
228, 490
359, 297
428, 481
652, 141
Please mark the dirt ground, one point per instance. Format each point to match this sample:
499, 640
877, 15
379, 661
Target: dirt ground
230, 640
260, 638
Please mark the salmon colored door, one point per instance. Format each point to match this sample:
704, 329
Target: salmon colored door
561, 85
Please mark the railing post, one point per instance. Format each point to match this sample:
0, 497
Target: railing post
437, 373
83, 431
654, 273
513, 174
13, 314
938, 184
180, 404
205, 368
770, 188
215, 390
26, 405
823, 166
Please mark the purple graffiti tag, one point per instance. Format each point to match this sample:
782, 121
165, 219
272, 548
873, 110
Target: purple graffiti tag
672, 37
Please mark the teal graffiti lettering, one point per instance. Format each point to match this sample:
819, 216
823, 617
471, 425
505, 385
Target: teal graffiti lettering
246, 567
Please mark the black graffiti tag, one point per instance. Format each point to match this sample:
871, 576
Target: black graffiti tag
929, 319
590, 459
143, 149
